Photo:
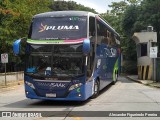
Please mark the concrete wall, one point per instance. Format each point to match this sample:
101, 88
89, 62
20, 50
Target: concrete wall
144, 63
145, 67
145, 60
143, 37
11, 77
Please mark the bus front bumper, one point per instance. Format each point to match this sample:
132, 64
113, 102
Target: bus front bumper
74, 95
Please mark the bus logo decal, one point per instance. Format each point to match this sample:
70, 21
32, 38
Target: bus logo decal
112, 52
62, 85
42, 28
53, 85
63, 27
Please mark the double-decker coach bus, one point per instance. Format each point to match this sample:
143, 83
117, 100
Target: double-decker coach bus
69, 55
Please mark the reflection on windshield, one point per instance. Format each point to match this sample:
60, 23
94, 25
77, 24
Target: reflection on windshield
55, 60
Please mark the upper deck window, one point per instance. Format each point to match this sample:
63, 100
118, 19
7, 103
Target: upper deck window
58, 28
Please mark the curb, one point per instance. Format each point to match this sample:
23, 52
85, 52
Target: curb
137, 81
153, 85
133, 80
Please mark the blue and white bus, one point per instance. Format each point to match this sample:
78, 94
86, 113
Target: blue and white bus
69, 55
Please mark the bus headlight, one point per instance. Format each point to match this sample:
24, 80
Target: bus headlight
75, 86
30, 84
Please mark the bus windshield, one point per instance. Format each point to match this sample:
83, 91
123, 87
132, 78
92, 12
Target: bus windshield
58, 28
55, 60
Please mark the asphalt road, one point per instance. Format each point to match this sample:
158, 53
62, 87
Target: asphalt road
125, 95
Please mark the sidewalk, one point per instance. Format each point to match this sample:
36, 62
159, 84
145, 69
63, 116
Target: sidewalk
13, 79
145, 82
11, 85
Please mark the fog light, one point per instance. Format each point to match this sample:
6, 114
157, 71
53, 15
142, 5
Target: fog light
79, 95
27, 93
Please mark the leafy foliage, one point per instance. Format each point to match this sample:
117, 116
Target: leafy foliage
122, 17
70, 5
136, 16
129, 67
150, 15
16, 17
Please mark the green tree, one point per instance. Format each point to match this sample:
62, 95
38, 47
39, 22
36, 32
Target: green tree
150, 15
138, 16
69, 5
122, 17
128, 25
118, 8
115, 15
15, 18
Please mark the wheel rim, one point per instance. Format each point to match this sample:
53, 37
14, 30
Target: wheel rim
95, 87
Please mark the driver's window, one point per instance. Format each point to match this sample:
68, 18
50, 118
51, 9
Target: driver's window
92, 51
92, 29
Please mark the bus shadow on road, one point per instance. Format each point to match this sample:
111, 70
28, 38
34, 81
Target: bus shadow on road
60, 103
28, 103
105, 89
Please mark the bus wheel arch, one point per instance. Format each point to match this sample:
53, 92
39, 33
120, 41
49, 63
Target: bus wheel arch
96, 88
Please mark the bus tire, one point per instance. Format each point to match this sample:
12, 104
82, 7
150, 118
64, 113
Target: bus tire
96, 89
116, 77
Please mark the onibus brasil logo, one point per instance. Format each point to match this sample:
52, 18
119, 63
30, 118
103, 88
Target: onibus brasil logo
54, 27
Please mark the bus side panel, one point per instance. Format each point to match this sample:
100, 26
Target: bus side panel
89, 89
105, 65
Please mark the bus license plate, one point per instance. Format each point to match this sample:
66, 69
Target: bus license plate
50, 94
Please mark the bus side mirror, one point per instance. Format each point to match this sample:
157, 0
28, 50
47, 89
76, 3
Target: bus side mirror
86, 46
18, 46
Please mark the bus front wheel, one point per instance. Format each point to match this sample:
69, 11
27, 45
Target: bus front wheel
96, 89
